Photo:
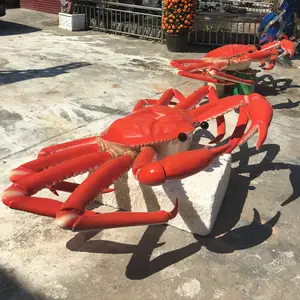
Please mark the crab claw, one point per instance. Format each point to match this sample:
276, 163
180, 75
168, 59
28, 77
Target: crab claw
288, 47
260, 112
179, 165
254, 107
269, 52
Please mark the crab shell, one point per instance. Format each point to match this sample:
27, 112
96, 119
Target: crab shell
225, 53
156, 126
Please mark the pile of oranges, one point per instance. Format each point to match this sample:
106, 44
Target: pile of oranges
178, 15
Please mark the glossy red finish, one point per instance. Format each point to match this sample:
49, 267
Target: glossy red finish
213, 96
195, 98
286, 45
130, 142
124, 219
189, 163
99, 179
146, 156
239, 130
260, 112
203, 76
231, 50
149, 125
90, 141
212, 68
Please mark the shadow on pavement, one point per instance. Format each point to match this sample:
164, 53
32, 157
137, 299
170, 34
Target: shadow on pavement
266, 85
225, 237
267, 165
140, 266
7, 77
12, 289
11, 28
287, 105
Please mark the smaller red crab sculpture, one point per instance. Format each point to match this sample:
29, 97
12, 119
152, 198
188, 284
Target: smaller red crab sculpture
213, 66
132, 142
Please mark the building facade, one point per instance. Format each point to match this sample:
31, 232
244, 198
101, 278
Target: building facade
48, 6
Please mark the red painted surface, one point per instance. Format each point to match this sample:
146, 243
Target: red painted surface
211, 68
130, 142
49, 6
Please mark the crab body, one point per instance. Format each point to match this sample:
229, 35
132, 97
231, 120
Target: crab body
153, 141
154, 126
149, 125
229, 54
237, 57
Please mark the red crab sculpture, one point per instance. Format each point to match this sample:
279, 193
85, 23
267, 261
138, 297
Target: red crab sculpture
132, 142
211, 68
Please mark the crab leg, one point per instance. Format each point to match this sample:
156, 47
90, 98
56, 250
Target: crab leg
203, 76
94, 140
285, 44
168, 95
16, 198
36, 181
181, 64
144, 102
47, 161
164, 100
216, 77
115, 219
17, 195
213, 97
211, 73
215, 73
177, 166
273, 58
71, 213
256, 115
239, 130
44, 162
259, 111
193, 69
192, 100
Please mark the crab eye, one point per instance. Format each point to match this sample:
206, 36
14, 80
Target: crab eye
251, 51
258, 48
182, 137
204, 125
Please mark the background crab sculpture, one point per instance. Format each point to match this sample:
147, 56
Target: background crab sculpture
132, 142
216, 66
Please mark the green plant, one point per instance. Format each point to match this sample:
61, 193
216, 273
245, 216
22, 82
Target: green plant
178, 16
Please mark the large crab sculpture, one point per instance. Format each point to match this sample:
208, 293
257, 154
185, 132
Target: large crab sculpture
132, 142
214, 66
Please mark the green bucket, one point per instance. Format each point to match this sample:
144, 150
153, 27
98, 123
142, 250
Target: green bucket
244, 89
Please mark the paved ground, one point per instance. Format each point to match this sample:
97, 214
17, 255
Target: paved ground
56, 86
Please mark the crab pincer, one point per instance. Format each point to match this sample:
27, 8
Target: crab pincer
253, 107
177, 166
260, 113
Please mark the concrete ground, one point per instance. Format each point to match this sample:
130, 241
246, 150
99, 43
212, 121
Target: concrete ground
56, 86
